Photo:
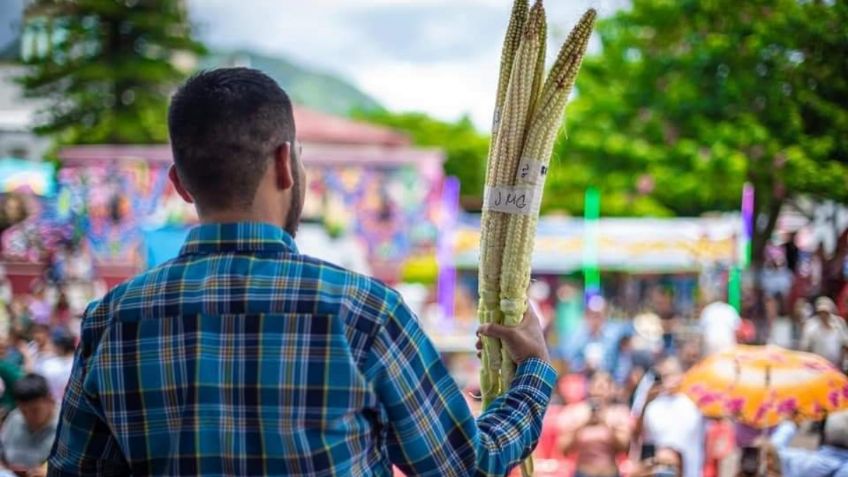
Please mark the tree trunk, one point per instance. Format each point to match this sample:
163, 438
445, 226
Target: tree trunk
762, 235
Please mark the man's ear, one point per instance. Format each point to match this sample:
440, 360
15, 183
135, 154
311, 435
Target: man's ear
283, 173
178, 184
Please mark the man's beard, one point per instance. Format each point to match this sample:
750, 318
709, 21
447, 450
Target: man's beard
295, 209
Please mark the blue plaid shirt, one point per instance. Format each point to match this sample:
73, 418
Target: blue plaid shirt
243, 357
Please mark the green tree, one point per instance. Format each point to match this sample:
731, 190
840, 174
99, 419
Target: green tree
106, 67
688, 99
464, 146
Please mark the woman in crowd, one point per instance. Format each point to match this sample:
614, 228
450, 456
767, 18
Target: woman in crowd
668, 462
596, 430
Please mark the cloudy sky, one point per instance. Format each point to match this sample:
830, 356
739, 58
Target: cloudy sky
437, 56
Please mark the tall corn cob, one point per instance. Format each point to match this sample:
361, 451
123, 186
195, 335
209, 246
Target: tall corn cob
527, 119
536, 155
513, 38
489, 374
539, 71
503, 163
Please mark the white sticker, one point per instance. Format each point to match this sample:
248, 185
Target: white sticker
512, 199
530, 171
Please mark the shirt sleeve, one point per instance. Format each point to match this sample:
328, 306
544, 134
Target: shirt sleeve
431, 430
84, 444
805, 342
5, 437
842, 329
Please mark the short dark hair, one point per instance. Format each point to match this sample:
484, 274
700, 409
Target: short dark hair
225, 124
30, 387
64, 341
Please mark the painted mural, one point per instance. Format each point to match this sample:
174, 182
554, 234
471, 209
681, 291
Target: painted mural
103, 208
107, 208
393, 211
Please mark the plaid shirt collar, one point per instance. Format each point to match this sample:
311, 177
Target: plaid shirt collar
238, 237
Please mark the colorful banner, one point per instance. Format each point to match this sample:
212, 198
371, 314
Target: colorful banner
649, 245
392, 210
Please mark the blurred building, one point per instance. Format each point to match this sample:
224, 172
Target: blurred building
686, 257
369, 193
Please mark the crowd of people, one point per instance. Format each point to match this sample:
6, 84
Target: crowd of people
618, 409
38, 336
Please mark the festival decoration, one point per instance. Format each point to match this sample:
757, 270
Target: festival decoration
18, 175
762, 386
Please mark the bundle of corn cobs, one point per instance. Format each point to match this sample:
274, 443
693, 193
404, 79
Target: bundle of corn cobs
527, 119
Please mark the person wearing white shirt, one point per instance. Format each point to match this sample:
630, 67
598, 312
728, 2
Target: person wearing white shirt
672, 420
719, 322
57, 369
825, 333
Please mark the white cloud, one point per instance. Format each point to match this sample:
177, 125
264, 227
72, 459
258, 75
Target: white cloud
436, 56
444, 90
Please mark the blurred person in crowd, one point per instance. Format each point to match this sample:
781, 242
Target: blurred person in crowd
760, 460
596, 430
39, 349
7, 317
5, 322
842, 297
28, 432
670, 419
5, 287
642, 362
21, 318
670, 328
665, 462
568, 310
40, 308
11, 369
624, 356
719, 323
801, 311
592, 345
57, 369
829, 460
9, 351
791, 252
779, 326
690, 351
661, 300
62, 312
775, 277
825, 333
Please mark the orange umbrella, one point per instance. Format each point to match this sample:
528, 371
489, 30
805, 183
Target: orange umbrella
762, 386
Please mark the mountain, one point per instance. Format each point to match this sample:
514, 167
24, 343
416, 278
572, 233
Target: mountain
321, 91
10, 52
10, 19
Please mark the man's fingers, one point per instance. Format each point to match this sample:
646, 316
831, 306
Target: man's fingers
531, 315
534, 308
494, 331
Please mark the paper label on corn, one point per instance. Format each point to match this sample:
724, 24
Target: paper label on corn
518, 200
531, 171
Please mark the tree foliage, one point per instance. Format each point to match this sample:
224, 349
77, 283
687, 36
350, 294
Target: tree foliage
465, 148
688, 99
106, 67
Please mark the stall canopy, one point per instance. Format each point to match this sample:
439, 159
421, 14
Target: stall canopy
631, 245
19, 175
